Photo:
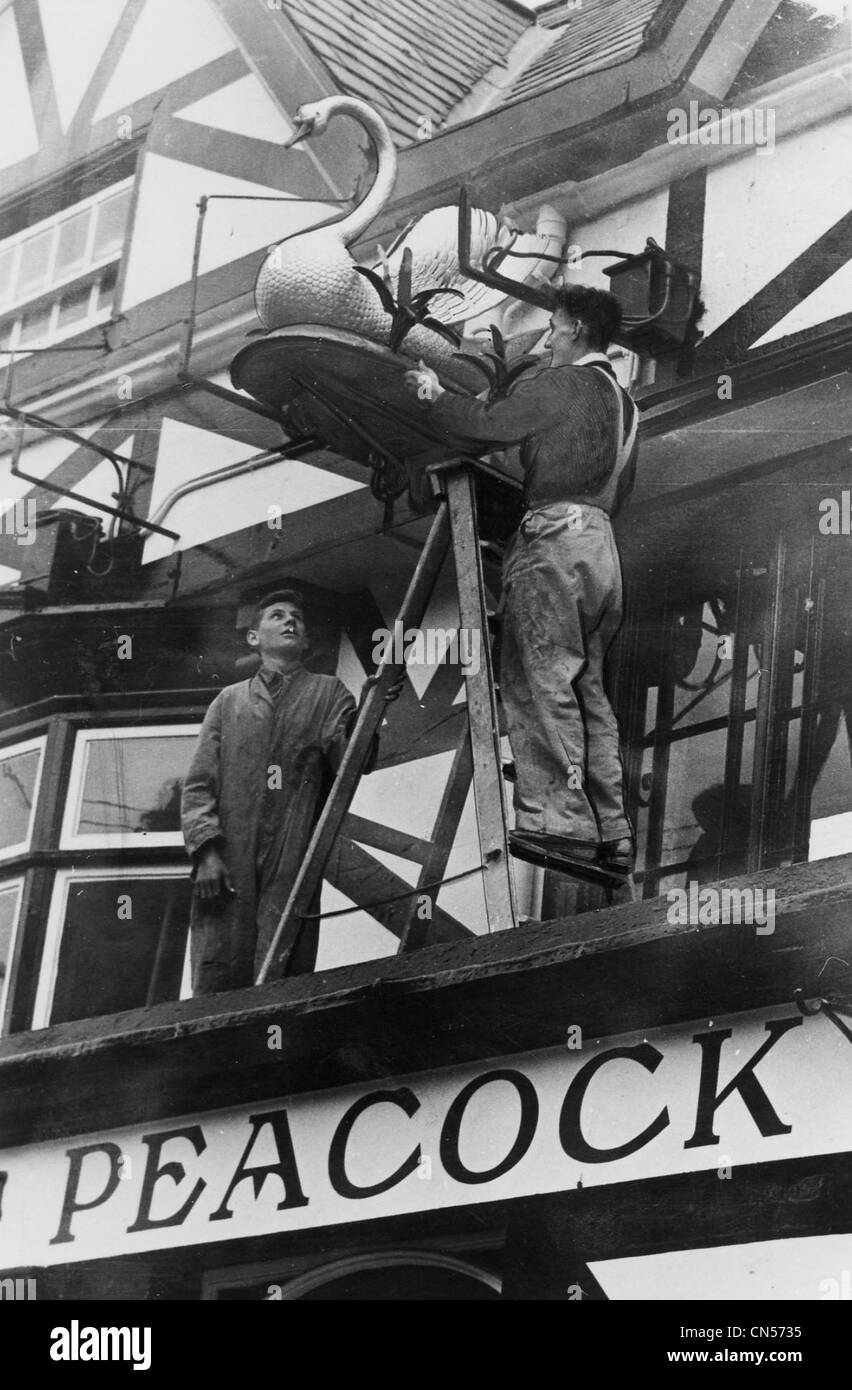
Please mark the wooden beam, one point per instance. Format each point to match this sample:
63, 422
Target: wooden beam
416, 931
292, 73
731, 341
783, 1200
382, 894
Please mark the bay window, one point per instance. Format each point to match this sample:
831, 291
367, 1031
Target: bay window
60, 275
115, 940
20, 774
10, 908
125, 786
95, 869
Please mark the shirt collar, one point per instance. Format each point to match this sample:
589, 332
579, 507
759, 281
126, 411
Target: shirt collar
593, 357
272, 677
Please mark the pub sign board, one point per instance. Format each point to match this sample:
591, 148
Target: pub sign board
752, 1088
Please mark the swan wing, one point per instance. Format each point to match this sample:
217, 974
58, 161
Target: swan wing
433, 243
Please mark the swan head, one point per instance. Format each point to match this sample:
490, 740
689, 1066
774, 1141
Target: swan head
311, 119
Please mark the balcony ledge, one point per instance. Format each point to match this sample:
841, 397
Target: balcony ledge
616, 971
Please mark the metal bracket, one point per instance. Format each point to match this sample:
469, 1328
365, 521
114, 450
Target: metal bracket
824, 1006
25, 418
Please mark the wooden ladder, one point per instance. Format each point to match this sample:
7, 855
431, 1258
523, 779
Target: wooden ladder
455, 523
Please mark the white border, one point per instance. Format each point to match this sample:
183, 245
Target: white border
114, 839
43, 1006
12, 750
10, 885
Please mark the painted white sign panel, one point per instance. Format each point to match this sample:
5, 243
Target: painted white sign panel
722, 1093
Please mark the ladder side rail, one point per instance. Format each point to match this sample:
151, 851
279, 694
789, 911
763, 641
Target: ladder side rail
459, 481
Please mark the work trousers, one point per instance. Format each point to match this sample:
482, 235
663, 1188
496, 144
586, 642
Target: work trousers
562, 608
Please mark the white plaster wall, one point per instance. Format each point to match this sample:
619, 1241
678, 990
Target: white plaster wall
243, 107
170, 38
163, 233
626, 228
801, 1269
764, 210
40, 458
18, 137
187, 452
76, 33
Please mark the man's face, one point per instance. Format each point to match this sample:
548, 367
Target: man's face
281, 631
563, 331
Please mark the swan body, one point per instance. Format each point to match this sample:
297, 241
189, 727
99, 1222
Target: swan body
311, 277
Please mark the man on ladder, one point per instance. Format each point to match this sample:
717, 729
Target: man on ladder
562, 581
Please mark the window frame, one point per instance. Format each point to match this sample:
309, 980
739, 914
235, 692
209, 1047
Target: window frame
70, 839
49, 294
88, 262
17, 882
13, 750
55, 927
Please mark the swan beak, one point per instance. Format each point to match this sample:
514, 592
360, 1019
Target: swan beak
303, 129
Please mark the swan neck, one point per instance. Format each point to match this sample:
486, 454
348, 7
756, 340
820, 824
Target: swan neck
358, 220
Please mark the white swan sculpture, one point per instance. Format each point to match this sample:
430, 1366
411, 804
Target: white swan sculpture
310, 277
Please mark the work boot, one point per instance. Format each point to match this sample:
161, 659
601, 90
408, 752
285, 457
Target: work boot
624, 892
545, 843
618, 854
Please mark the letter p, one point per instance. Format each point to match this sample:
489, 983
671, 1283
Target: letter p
70, 1204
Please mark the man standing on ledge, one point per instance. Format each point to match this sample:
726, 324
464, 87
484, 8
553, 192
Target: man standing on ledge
265, 758
562, 580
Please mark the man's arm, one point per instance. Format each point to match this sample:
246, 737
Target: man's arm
199, 808
338, 724
530, 405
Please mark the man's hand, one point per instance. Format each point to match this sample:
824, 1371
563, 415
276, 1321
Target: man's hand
423, 383
394, 691
212, 880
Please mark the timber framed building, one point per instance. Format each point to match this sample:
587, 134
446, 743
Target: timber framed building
527, 1113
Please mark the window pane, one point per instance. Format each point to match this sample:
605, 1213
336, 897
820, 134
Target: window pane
7, 260
71, 251
18, 774
10, 897
108, 962
35, 326
74, 306
704, 648
106, 289
695, 797
109, 232
134, 784
35, 260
